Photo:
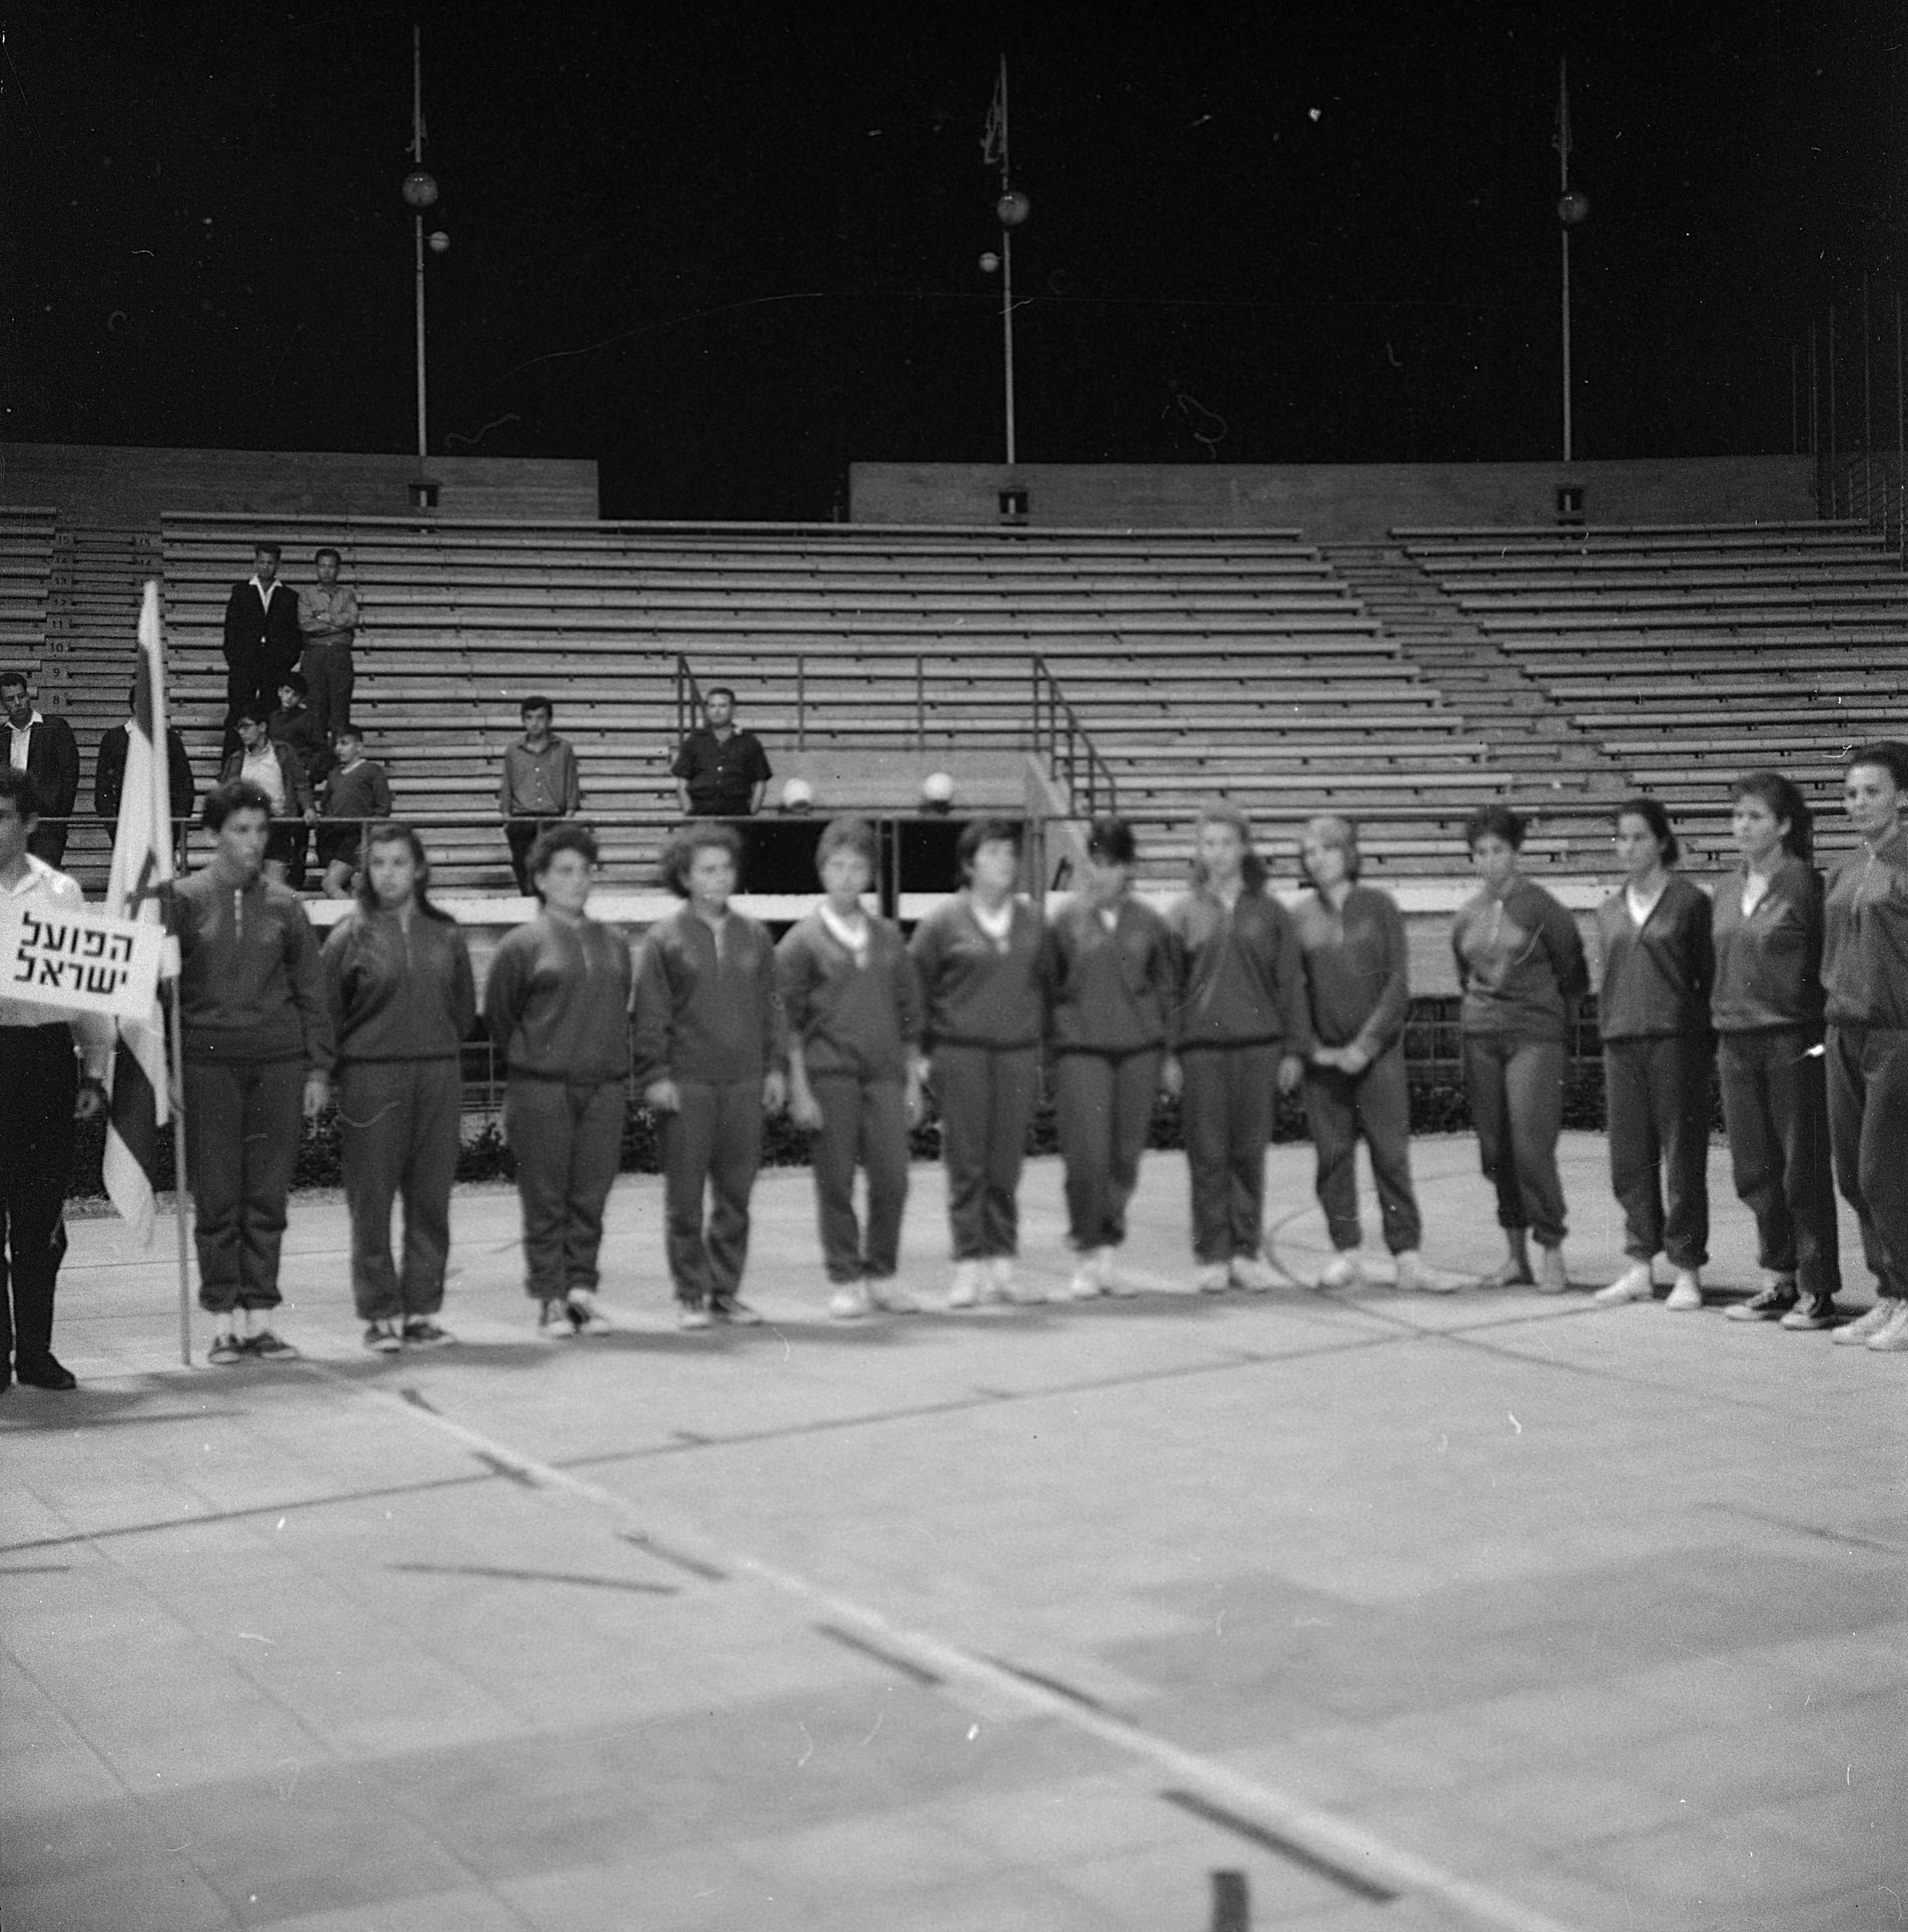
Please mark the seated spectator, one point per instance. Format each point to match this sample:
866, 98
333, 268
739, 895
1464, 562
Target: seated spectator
356, 790
296, 724
720, 771
279, 772
540, 785
110, 773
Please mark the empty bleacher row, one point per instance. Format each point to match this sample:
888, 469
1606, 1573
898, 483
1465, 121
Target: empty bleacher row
1692, 653
26, 558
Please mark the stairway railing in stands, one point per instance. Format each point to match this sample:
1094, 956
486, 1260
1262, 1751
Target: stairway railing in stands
1061, 739
1871, 489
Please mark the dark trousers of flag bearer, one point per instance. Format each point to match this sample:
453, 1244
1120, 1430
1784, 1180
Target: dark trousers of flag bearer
566, 1137
398, 1140
1103, 1110
244, 1118
39, 1081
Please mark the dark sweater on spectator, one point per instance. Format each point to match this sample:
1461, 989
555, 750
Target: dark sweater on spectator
862, 1021
705, 1016
300, 730
1520, 964
397, 991
976, 990
251, 988
557, 1002
1242, 974
1355, 969
358, 791
1657, 976
1109, 990
1864, 959
1768, 961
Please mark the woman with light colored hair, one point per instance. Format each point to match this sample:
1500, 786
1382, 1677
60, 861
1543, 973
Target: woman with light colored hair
1353, 940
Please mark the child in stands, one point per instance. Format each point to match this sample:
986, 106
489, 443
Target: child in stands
357, 790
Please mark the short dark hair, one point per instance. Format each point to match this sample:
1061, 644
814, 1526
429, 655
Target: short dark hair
1494, 821
848, 834
295, 681
530, 704
979, 832
347, 730
1785, 801
719, 691
21, 788
1651, 812
252, 711
391, 832
680, 849
565, 837
19, 677
326, 551
240, 795
1890, 754
1110, 841
264, 547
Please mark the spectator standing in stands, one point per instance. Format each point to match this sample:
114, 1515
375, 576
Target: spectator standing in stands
1244, 1032
710, 1056
1520, 968
540, 785
1865, 975
279, 772
1110, 977
720, 771
977, 957
293, 724
258, 1048
397, 982
328, 619
45, 1092
1653, 1011
357, 790
263, 641
110, 774
854, 1015
1766, 1005
42, 746
557, 1004
1353, 939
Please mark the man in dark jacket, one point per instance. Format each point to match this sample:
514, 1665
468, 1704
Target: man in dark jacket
110, 773
262, 638
44, 748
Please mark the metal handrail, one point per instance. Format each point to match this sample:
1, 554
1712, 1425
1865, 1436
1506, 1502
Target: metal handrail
1063, 738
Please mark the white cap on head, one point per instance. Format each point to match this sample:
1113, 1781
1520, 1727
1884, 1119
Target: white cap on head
796, 791
937, 788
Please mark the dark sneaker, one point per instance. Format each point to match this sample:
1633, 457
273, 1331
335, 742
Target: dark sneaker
421, 1332
1771, 1304
1814, 1311
382, 1338
267, 1347
734, 1311
225, 1350
45, 1373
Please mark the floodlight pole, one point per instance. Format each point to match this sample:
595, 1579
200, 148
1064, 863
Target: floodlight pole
1564, 230
417, 160
1006, 270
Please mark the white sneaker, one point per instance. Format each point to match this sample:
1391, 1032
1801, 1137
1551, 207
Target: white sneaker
1105, 1263
1553, 1277
1086, 1284
588, 1318
1687, 1293
556, 1323
1892, 1339
1252, 1274
1514, 1271
850, 1302
1345, 1270
1634, 1284
965, 1290
892, 1300
1416, 1275
1854, 1334
1003, 1286
1213, 1278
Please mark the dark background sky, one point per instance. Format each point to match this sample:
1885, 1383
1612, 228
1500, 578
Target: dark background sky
726, 258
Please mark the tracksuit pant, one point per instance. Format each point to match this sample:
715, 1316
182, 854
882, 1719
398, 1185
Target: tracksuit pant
1516, 1092
1868, 1126
987, 1097
1658, 1096
566, 1138
40, 1079
1225, 1111
1103, 1104
1775, 1103
1376, 1104
398, 1131
711, 1148
244, 1119
864, 1123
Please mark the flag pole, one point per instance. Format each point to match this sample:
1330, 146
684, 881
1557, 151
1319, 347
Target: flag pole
1006, 270
1564, 229
181, 1196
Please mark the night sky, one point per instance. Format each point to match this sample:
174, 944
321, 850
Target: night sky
727, 258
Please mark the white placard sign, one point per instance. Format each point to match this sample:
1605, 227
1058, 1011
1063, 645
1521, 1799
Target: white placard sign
77, 958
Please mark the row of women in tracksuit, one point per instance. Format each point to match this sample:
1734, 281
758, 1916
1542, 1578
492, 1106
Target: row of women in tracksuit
1796, 1001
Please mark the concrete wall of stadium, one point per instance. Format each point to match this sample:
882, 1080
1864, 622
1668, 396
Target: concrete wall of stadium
1338, 502
100, 484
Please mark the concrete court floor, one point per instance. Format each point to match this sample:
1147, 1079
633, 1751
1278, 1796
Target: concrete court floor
1363, 1612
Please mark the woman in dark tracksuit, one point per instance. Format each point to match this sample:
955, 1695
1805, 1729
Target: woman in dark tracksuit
1353, 940
709, 1056
556, 1003
397, 978
978, 958
1652, 1012
1244, 1032
1865, 976
853, 1004
1110, 978
1520, 968
1766, 1004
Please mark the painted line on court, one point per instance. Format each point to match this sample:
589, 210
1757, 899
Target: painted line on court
1355, 1882
1336, 1841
